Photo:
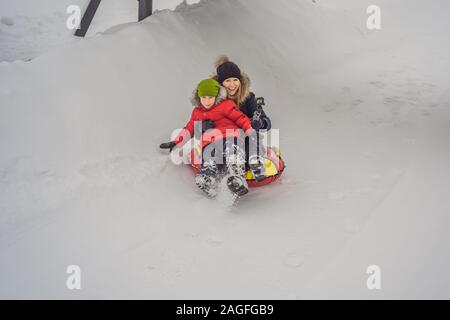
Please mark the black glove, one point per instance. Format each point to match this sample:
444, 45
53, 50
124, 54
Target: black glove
261, 124
168, 145
202, 127
207, 124
257, 124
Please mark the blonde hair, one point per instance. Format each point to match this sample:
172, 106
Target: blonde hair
240, 98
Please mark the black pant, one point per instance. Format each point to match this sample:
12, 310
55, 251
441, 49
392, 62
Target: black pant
217, 151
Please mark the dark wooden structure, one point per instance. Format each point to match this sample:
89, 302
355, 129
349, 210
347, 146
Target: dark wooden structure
145, 10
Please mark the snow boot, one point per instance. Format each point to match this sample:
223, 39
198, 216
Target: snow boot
207, 178
257, 167
235, 163
237, 185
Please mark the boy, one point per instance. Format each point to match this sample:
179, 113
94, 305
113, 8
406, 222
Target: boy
222, 145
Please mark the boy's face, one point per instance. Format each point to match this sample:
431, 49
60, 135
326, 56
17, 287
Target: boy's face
207, 102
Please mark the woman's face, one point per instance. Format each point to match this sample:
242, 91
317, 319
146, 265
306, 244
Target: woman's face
232, 85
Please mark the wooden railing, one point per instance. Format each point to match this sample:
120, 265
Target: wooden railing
145, 10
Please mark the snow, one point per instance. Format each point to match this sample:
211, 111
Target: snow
364, 129
31, 28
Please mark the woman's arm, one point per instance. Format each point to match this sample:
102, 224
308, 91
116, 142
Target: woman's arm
252, 106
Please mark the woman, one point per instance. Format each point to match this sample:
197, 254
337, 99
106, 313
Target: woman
237, 84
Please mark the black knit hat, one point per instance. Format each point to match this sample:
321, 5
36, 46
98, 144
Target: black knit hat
228, 70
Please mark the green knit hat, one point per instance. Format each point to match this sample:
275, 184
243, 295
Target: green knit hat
208, 88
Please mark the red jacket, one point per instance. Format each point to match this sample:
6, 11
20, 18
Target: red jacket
225, 115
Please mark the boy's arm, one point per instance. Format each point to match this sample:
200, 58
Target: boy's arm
182, 137
233, 113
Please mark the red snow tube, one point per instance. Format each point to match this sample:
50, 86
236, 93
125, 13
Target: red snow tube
274, 166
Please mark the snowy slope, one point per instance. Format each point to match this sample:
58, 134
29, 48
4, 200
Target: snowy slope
364, 123
29, 28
